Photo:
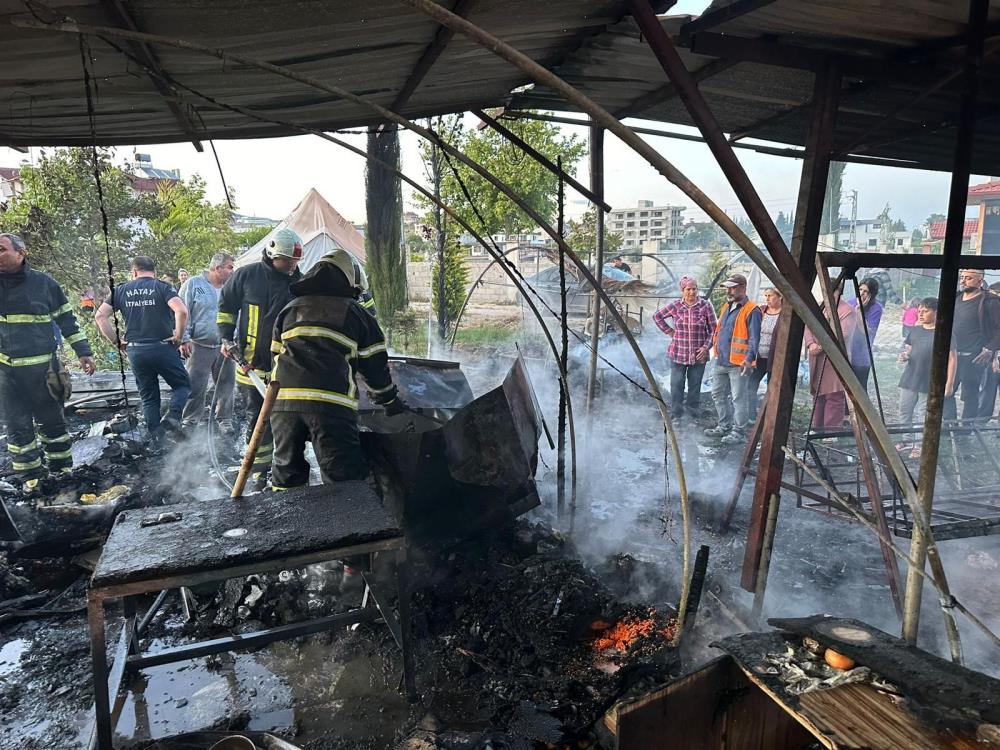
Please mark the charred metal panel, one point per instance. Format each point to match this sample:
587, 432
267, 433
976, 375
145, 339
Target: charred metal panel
447, 481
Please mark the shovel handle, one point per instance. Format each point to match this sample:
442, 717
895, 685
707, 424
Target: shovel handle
258, 433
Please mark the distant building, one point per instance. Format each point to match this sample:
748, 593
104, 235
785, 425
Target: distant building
10, 183
987, 234
872, 236
647, 222
146, 178
934, 243
243, 223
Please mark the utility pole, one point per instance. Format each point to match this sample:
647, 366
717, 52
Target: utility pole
854, 220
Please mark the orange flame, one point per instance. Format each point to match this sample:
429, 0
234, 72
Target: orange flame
626, 632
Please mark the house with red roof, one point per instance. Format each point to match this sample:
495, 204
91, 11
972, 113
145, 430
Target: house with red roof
986, 195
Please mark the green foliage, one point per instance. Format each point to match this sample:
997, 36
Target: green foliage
716, 262
529, 180
456, 276
59, 217
403, 329
702, 236
582, 236
830, 221
188, 229
250, 237
386, 266
785, 226
935, 217
105, 353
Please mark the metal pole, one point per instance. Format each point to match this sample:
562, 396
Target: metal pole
957, 200
765, 557
563, 358
597, 187
788, 343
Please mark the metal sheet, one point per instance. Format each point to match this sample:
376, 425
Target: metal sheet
475, 471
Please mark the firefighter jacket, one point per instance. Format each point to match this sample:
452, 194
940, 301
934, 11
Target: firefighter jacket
251, 300
30, 303
320, 339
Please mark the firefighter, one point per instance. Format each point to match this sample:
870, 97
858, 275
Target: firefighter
30, 302
320, 339
252, 299
366, 298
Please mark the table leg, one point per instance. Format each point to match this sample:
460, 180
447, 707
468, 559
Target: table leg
128, 607
403, 606
99, 657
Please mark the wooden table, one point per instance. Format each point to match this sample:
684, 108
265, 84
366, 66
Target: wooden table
156, 549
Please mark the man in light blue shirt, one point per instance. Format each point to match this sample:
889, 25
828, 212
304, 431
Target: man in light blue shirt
201, 343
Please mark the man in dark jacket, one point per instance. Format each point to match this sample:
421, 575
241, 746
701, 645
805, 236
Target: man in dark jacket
248, 306
975, 334
30, 302
320, 339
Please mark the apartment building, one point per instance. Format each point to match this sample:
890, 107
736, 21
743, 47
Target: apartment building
647, 222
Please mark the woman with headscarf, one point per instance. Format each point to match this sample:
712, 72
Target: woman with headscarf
871, 308
693, 326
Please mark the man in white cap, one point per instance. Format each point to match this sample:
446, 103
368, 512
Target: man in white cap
321, 339
248, 306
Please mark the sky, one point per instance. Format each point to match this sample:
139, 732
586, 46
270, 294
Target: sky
270, 176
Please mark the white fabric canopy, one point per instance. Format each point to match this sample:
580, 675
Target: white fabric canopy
321, 228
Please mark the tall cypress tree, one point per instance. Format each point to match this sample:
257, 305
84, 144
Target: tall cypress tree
383, 239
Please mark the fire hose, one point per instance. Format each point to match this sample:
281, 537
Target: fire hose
234, 351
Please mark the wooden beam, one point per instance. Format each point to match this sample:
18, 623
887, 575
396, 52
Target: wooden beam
787, 152
666, 54
787, 344
722, 15
922, 547
154, 70
769, 52
541, 159
903, 260
668, 91
442, 36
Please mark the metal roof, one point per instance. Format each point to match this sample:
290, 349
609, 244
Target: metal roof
756, 60
371, 48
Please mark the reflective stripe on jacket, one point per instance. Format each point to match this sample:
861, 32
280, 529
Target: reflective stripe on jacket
32, 305
249, 304
740, 344
320, 342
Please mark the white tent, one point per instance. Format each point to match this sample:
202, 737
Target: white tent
321, 228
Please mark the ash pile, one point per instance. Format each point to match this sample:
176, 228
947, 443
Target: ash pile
516, 642
535, 642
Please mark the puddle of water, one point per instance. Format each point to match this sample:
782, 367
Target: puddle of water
10, 655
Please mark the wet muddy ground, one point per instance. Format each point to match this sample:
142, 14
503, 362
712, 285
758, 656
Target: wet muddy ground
487, 679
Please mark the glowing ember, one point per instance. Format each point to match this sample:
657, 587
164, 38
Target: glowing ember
627, 631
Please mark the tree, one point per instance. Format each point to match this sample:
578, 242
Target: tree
785, 226
456, 276
188, 229
701, 236
386, 266
59, 216
935, 217
250, 237
582, 236
529, 180
830, 222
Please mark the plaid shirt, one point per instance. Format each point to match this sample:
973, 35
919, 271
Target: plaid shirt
693, 328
